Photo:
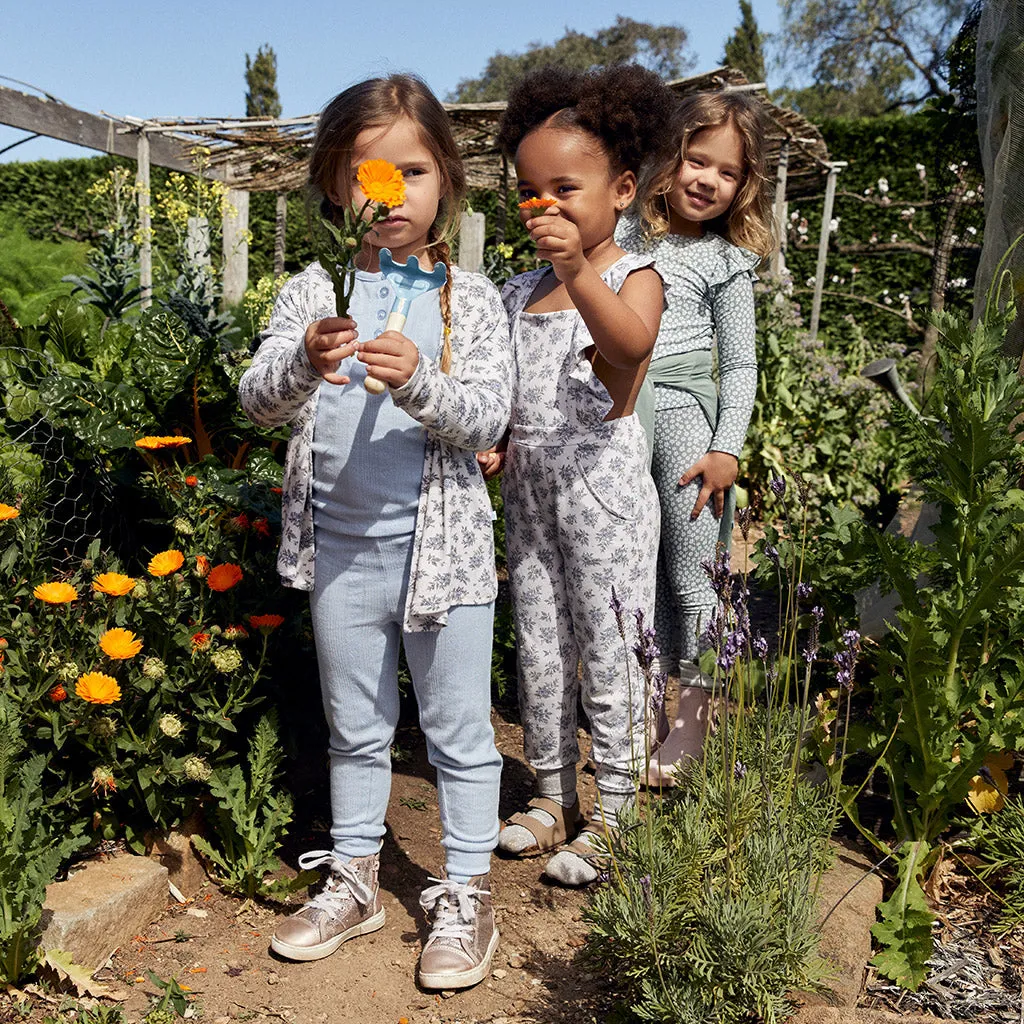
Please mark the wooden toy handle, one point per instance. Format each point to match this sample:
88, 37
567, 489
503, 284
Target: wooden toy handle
395, 322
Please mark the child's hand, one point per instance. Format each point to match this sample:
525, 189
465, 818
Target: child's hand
492, 462
327, 343
719, 471
558, 240
392, 358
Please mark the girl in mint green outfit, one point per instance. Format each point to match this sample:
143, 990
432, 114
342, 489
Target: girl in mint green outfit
703, 215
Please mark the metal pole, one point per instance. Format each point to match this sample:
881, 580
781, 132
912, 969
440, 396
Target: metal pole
145, 225
826, 220
779, 212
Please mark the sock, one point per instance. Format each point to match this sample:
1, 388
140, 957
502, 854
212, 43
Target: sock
570, 868
557, 784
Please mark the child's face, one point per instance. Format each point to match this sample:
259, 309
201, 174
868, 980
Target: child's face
708, 179
572, 168
407, 226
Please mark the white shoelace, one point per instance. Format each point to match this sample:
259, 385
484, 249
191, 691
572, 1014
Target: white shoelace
342, 885
453, 906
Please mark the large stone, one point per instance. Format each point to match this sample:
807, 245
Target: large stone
103, 906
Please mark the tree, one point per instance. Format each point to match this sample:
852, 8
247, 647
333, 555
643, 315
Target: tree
662, 48
261, 77
867, 57
743, 49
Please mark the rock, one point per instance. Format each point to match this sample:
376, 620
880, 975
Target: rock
102, 906
174, 850
847, 897
499, 973
516, 961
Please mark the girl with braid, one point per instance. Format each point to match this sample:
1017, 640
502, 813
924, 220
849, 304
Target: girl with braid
387, 523
581, 511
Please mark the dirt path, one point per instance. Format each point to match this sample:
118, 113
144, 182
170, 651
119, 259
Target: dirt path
538, 975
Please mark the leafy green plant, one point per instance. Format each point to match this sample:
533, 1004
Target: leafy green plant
1000, 839
947, 694
251, 819
170, 1005
35, 845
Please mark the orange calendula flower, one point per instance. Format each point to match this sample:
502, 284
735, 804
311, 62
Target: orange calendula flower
201, 641
277, 490
55, 593
120, 644
261, 526
536, 203
381, 182
115, 584
8, 512
98, 688
202, 566
224, 577
58, 693
239, 522
191, 481
166, 562
166, 441
265, 623
235, 632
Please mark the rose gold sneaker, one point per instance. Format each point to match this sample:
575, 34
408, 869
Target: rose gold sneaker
348, 905
463, 937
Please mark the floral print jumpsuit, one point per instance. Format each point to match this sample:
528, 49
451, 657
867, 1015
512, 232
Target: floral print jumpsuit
582, 519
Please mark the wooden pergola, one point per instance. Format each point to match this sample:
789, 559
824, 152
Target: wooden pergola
262, 155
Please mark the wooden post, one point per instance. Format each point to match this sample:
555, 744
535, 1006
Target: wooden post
502, 225
826, 220
779, 211
280, 227
236, 248
145, 223
471, 241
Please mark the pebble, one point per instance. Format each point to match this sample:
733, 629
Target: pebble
195, 912
447, 993
271, 978
499, 973
516, 961
535, 982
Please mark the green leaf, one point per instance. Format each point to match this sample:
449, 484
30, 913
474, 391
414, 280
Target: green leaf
905, 931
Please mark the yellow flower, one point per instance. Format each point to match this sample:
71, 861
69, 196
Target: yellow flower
55, 593
98, 688
167, 441
987, 792
120, 644
8, 512
115, 584
382, 182
165, 562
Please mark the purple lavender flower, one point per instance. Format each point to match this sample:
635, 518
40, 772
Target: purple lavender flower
778, 486
846, 658
804, 591
616, 606
733, 644
719, 573
744, 517
771, 552
739, 770
760, 646
810, 652
712, 635
645, 649
659, 680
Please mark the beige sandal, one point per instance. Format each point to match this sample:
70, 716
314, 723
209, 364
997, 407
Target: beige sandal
567, 824
585, 851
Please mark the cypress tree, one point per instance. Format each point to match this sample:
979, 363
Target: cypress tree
743, 49
261, 77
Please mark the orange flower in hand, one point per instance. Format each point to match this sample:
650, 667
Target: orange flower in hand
166, 562
55, 593
381, 182
536, 203
120, 644
224, 577
98, 688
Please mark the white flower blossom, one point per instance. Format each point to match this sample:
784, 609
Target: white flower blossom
894, 237
833, 224
958, 282
810, 282
883, 185
972, 230
835, 279
908, 213
921, 172
970, 194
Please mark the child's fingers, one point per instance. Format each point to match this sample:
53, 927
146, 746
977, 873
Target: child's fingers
336, 378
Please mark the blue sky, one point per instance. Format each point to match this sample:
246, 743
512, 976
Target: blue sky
188, 59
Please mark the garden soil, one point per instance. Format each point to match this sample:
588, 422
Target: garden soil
538, 975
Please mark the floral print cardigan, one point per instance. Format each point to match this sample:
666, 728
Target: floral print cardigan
464, 411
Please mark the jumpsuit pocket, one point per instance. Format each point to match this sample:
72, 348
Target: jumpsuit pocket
612, 473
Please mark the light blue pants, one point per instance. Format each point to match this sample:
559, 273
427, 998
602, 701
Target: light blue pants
358, 604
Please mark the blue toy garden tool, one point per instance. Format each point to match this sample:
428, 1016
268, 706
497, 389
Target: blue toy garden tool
409, 282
